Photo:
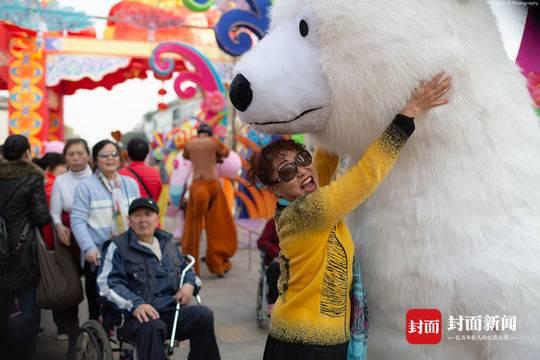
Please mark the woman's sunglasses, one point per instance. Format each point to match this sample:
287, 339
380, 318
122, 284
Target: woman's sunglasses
106, 155
289, 171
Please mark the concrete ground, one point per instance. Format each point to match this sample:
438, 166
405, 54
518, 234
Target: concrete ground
232, 299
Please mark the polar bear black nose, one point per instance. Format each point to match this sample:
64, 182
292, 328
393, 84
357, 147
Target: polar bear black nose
240, 92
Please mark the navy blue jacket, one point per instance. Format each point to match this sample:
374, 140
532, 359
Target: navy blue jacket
132, 275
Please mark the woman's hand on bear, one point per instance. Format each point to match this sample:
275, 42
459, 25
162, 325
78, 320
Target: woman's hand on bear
428, 95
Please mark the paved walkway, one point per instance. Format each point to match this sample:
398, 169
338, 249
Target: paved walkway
232, 299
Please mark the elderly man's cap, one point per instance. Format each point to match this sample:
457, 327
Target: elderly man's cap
143, 203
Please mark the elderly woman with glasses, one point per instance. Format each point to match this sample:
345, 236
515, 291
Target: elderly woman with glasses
312, 316
100, 212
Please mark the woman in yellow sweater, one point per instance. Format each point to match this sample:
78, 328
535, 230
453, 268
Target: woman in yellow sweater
311, 318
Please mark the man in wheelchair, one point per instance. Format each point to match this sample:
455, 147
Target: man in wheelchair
140, 274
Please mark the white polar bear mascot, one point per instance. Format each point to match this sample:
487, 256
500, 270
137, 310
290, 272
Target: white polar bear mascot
456, 225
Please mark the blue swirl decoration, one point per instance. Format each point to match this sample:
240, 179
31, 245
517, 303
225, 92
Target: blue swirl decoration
257, 20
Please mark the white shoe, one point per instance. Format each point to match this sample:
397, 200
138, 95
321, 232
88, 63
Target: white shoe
62, 337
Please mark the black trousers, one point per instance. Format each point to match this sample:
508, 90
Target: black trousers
67, 322
91, 290
19, 323
272, 276
196, 323
279, 350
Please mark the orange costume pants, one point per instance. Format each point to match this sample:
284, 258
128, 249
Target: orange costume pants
208, 202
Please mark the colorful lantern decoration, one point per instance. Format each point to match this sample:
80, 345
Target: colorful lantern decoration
43, 16
146, 17
203, 75
162, 105
26, 85
230, 30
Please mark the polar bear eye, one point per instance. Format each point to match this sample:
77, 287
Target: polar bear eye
304, 28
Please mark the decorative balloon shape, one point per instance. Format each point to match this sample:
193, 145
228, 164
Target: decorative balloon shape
235, 42
55, 146
230, 167
204, 75
198, 5
179, 178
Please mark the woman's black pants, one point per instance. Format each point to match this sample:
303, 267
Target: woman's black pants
279, 350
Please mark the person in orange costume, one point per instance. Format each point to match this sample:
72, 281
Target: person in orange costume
207, 201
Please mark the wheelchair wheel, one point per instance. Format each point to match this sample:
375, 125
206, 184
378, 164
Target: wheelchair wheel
262, 305
87, 346
93, 342
259, 296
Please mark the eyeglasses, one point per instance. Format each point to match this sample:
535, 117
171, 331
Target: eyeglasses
106, 155
289, 171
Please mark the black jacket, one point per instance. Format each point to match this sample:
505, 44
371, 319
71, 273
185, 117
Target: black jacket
26, 210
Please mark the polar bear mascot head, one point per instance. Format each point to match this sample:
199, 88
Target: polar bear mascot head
456, 225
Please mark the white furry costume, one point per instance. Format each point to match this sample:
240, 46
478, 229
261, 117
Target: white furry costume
456, 225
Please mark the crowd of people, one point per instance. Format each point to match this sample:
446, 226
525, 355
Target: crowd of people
105, 211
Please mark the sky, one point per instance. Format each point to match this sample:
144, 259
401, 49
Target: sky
95, 113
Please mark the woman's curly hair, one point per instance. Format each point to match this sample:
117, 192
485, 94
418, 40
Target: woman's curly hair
261, 167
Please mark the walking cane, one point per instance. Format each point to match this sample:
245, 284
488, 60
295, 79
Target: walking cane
170, 350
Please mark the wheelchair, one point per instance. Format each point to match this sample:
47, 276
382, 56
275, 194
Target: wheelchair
263, 317
100, 340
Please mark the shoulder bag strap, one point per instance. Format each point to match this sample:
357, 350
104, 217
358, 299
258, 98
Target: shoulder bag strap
140, 181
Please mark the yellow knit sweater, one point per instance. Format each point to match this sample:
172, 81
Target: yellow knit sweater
317, 250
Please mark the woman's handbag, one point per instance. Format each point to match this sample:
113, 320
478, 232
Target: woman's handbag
359, 317
60, 285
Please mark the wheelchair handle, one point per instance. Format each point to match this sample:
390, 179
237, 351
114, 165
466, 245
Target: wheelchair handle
186, 269
170, 349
